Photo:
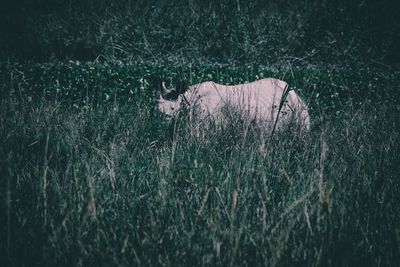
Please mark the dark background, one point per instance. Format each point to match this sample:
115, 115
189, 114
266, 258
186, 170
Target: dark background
231, 31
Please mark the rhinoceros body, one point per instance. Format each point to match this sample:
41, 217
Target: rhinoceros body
267, 101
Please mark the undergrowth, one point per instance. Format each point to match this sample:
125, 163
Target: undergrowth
230, 32
112, 183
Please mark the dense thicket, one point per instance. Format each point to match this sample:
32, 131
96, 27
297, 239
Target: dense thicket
230, 31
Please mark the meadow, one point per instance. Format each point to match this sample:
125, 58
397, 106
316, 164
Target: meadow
92, 174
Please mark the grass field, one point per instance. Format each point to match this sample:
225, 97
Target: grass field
92, 175
340, 32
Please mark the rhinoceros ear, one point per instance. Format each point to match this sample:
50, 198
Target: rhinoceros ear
168, 94
158, 83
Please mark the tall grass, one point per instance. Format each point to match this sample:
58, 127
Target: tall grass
180, 31
118, 185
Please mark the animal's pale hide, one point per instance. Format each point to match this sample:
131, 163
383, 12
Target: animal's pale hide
261, 100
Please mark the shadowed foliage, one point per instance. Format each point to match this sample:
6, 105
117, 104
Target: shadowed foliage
92, 175
229, 31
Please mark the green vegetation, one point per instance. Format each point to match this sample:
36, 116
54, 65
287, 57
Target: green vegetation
93, 175
341, 32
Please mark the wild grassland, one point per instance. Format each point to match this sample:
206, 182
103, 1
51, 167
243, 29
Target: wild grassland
92, 175
230, 32
100, 178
